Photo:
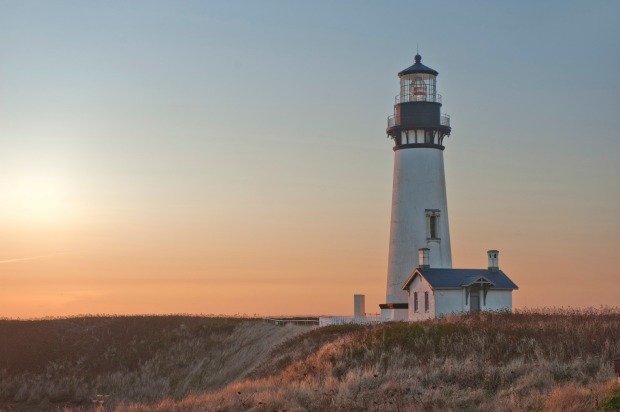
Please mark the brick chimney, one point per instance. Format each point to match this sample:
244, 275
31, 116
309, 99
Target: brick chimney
423, 258
493, 260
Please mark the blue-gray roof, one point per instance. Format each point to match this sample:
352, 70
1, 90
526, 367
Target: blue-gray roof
458, 278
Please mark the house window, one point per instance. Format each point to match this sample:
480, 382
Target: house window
432, 224
415, 301
425, 301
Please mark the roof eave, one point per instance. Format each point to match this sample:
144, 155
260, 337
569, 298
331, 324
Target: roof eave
481, 277
414, 71
411, 277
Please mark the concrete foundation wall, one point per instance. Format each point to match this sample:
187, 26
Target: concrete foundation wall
395, 315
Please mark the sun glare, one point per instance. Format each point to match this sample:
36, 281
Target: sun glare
37, 197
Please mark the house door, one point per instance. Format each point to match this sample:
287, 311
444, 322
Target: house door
474, 301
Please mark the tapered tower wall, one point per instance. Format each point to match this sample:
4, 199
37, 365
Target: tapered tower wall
419, 192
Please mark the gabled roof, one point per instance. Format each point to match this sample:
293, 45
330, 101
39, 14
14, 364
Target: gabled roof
459, 278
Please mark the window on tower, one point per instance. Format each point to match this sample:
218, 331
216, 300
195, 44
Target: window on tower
432, 224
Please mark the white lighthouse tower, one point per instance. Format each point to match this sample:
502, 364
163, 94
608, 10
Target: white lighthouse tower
419, 203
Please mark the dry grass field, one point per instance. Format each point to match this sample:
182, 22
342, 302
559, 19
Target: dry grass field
46, 364
545, 360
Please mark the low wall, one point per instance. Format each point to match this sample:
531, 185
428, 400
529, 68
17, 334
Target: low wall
349, 320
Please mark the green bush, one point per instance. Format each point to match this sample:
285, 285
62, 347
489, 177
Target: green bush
612, 401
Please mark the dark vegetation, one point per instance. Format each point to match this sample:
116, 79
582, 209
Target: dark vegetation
556, 360
94, 345
57, 362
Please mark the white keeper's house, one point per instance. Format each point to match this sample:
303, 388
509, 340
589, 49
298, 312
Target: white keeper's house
433, 292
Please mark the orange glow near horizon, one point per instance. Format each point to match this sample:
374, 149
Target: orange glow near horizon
73, 245
174, 268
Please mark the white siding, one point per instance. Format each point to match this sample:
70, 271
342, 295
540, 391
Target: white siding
421, 286
498, 300
393, 315
453, 301
449, 301
446, 301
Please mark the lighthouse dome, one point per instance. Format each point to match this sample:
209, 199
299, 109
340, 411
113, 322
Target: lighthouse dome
418, 67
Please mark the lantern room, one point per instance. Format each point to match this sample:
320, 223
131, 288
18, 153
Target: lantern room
418, 83
417, 120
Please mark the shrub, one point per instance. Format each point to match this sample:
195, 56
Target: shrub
612, 401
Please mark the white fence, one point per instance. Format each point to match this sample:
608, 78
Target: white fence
369, 319
349, 320
284, 321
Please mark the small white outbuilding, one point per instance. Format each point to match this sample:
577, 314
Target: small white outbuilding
437, 292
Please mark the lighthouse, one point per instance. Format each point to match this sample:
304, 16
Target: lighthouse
421, 283
419, 221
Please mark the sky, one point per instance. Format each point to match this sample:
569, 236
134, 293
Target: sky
230, 157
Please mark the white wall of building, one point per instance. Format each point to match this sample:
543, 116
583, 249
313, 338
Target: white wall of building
449, 301
498, 300
421, 286
394, 314
419, 185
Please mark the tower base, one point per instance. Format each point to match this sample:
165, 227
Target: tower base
394, 312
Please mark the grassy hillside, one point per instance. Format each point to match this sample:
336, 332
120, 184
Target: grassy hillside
551, 361
546, 360
47, 363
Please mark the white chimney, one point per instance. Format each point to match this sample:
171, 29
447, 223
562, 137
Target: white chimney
359, 306
493, 260
423, 258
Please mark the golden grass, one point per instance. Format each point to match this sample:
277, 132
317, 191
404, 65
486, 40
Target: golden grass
549, 360
543, 360
69, 361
